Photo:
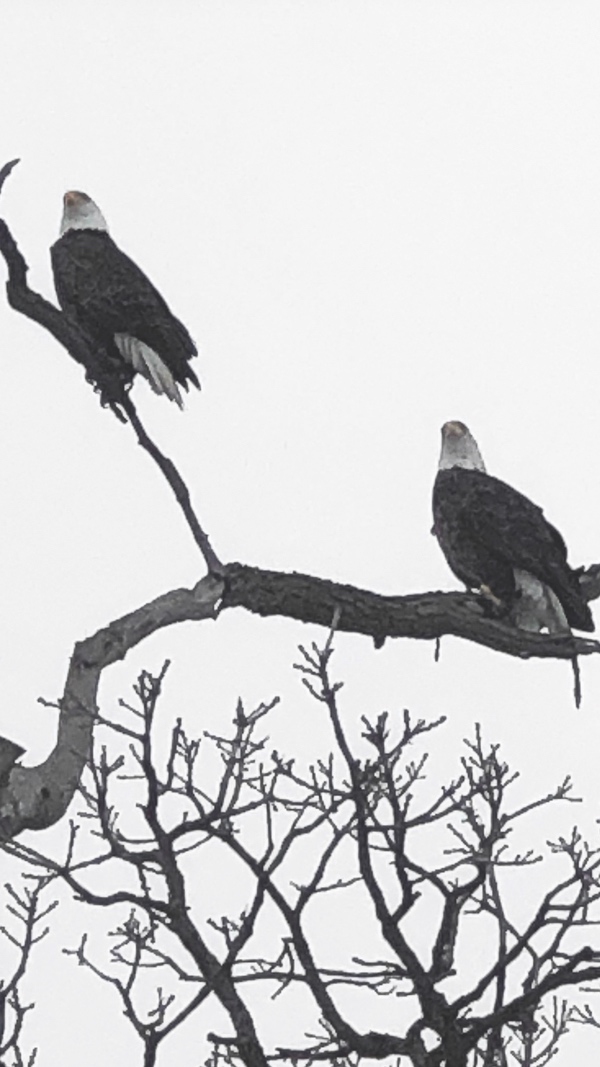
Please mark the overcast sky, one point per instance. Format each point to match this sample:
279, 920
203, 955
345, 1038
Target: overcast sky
373, 217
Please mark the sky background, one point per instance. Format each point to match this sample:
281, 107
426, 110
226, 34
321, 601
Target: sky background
373, 217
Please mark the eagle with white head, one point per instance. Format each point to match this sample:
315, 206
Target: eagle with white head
498, 542
114, 301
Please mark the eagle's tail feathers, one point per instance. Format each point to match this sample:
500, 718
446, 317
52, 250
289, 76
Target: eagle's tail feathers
536, 606
148, 363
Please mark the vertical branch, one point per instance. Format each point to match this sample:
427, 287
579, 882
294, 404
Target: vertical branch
26, 909
178, 486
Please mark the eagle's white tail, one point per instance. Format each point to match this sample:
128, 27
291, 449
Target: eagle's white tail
146, 361
537, 607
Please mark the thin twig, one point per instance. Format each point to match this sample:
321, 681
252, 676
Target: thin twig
178, 486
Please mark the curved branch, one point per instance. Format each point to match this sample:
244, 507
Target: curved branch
5, 171
36, 797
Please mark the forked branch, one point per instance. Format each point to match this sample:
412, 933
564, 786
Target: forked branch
367, 814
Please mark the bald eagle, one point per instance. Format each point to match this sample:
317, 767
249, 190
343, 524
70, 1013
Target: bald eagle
498, 542
114, 301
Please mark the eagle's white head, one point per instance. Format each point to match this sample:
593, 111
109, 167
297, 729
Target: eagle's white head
81, 213
459, 448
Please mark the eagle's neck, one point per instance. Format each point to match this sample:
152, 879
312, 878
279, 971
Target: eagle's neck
87, 217
461, 452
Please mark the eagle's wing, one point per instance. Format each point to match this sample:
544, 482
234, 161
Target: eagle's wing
508, 531
510, 525
113, 296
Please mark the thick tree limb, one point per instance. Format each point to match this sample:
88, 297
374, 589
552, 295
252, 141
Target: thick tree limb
36, 797
424, 616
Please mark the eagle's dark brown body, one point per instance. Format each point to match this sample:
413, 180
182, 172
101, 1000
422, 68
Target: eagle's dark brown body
486, 529
108, 294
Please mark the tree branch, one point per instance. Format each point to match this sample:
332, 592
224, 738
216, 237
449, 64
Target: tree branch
36, 797
178, 486
423, 616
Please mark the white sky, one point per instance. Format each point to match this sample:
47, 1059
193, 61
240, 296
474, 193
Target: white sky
372, 216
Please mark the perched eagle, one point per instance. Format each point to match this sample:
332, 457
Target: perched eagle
114, 301
498, 541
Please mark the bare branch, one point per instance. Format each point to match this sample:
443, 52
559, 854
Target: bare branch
422, 616
36, 797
